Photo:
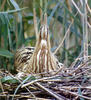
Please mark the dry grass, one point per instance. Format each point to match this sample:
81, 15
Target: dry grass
70, 83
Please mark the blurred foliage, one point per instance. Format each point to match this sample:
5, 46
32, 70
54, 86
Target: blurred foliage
16, 28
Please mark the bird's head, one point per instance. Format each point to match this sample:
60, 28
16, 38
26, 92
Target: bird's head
43, 37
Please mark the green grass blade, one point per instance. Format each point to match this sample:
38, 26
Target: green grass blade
6, 53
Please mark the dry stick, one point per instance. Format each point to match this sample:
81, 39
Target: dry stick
67, 40
59, 70
58, 97
45, 78
73, 64
1, 87
21, 83
2, 6
90, 13
79, 67
75, 94
12, 11
75, 87
39, 99
22, 96
82, 72
82, 14
89, 75
77, 7
53, 80
79, 58
41, 16
38, 74
30, 83
17, 95
45, 18
45, 10
88, 8
63, 38
89, 24
35, 23
85, 31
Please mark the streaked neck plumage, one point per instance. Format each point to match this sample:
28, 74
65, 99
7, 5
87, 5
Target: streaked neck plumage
43, 41
43, 59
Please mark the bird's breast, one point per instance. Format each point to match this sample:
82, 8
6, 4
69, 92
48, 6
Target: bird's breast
42, 60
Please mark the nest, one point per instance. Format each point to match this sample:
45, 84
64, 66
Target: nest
71, 83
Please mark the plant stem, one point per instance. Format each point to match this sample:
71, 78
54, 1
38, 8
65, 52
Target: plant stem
85, 31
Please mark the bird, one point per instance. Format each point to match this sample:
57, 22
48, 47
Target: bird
38, 59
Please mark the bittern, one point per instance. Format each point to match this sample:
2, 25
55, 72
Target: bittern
39, 59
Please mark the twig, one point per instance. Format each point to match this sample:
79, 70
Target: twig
61, 68
73, 64
82, 72
20, 86
85, 31
30, 83
45, 14
75, 87
77, 8
22, 96
1, 86
88, 8
58, 97
13, 11
45, 18
63, 38
82, 57
41, 16
75, 94
37, 80
78, 67
65, 35
17, 95
89, 24
2, 6
35, 20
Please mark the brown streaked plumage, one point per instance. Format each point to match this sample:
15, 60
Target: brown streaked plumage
40, 59
22, 58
